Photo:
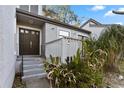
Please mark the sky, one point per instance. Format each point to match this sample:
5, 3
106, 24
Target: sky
100, 13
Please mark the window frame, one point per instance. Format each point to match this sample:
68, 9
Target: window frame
60, 35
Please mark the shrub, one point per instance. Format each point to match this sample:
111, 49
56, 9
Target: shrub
81, 71
112, 41
87, 67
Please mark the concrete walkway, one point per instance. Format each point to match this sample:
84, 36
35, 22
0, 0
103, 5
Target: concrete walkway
37, 83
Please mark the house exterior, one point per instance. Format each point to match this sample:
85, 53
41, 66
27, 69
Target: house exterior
95, 27
24, 31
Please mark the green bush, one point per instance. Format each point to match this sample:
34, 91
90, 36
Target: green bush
81, 71
112, 41
87, 67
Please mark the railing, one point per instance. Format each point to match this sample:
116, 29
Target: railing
21, 68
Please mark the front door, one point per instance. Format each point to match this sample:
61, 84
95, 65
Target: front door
28, 42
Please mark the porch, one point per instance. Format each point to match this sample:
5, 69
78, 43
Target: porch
29, 47
30, 35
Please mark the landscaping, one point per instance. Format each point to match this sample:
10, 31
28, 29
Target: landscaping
17, 82
92, 65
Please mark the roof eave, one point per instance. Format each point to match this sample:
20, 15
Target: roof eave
48, 20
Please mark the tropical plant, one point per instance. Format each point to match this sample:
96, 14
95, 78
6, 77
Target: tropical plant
81, 71
87, 67
58, 74
112, 41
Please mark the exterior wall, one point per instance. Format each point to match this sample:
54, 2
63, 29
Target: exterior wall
54, 48
52, 32
62, 47
95, 30
43, 40
7, 45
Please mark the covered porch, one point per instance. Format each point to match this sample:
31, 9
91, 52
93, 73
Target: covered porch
29, 34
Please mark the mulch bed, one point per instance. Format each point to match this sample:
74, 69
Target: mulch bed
17, 82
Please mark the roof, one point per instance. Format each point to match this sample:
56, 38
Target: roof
96, 22
52, 21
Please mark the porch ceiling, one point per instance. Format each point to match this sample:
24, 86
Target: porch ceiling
26, 20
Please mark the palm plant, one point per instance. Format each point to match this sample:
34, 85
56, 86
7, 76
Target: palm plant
87, 67
112, 41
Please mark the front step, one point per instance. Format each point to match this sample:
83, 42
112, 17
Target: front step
34, 76
32, 62
32, 67
29, 59
33, 71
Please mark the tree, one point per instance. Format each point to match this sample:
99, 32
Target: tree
62, 13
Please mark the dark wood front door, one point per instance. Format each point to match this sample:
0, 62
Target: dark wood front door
28, 42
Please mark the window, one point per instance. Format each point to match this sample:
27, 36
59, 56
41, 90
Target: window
63, 33
24, 7
21, 31
30, 8
34, 9
26, 31
32, 32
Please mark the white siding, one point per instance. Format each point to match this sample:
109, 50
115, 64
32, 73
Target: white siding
95, 30
61, 47
7, 45
54, 49
51, 32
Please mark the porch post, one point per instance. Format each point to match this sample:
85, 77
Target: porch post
63, 50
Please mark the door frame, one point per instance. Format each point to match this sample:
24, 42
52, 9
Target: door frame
28, 28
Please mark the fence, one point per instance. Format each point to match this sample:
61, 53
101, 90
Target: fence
63, 47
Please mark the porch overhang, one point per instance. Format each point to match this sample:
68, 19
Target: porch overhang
38, 19
27, 20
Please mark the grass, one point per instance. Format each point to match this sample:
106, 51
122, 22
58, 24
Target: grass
17, 82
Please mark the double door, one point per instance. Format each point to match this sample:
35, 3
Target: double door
28, 42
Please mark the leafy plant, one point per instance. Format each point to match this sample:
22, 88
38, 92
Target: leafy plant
81, 71
87, 67
112, 41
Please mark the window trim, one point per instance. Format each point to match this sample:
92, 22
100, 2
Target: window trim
60, 36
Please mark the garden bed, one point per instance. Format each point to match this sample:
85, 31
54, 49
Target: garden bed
17, 82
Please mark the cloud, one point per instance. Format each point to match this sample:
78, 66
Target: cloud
97, 7
120, 23
121, 9
109, 13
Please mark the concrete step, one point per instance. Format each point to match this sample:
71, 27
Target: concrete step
30, 59
33, 71
32, 66
32, 62
34, 76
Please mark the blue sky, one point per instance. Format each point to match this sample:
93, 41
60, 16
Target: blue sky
100, 13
